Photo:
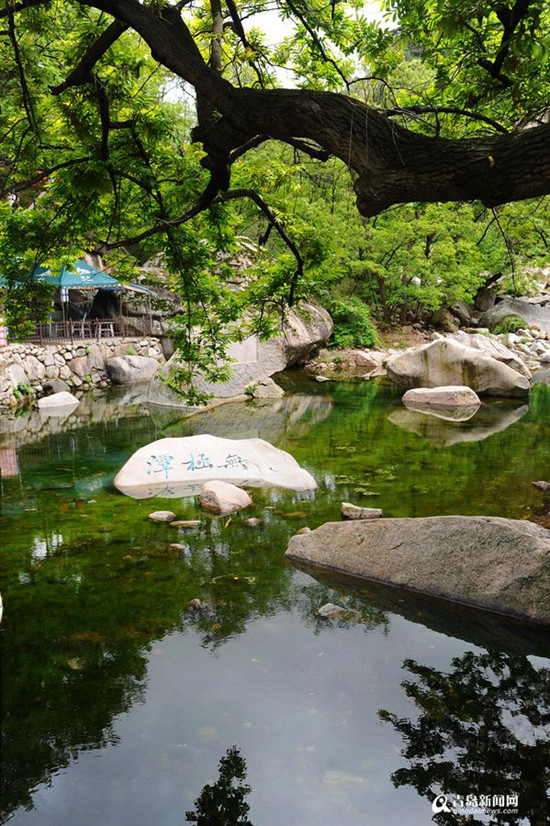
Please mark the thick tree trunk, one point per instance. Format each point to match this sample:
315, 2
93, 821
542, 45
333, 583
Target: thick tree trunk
392, 164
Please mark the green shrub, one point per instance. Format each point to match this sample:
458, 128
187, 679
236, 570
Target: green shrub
510, 324
353, 326
22, 391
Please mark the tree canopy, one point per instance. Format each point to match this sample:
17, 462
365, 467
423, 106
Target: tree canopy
131, 127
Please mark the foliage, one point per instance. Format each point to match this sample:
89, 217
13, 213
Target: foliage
510, 324
353, 325
22, 392
462, 741
222, 803
106, 162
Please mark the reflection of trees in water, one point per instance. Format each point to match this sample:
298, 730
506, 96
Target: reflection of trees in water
480, 731
223, 803
357, 611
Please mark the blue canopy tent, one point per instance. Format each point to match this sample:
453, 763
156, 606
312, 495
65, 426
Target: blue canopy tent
78, 276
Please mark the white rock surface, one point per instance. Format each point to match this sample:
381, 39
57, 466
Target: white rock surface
350, 511
62, 399
180, 466
222, 497
447, 362
449, 396
162, 516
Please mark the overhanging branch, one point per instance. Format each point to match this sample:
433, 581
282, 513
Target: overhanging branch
82, 71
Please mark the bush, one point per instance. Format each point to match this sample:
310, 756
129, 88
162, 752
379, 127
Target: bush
22, 391
510, 324
353, 326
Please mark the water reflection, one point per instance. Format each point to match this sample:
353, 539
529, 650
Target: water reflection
223, 803
460, 414
444, 431
482, 729
97, 596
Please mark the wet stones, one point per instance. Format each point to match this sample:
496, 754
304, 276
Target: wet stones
162, 516
350, 511
222, 497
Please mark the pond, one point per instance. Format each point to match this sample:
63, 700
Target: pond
123, 705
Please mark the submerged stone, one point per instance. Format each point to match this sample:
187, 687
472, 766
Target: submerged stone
162, 516
501, 565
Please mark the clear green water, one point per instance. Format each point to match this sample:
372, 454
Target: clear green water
118, 701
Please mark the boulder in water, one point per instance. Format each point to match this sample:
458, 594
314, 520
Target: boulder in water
501, 565
179, 467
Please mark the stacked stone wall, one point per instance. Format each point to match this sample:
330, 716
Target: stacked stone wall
80, 365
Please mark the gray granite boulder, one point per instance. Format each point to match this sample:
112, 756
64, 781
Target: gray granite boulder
446, 362
52, 386
530, 312
501, 565
496, 349
131, 369
306, 327
449, 396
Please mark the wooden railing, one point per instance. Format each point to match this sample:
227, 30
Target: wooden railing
91, 329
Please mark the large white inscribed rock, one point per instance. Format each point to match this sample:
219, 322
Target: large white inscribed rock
179, 467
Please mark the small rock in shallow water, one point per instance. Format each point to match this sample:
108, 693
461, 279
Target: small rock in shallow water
253, 522
331, 611
355, 512
185, 523
195, 604
177, 546
162, 516
542, 485
222, 497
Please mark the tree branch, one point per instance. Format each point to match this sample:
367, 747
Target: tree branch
24, 4
392, 164
510, 19
82, 71
19, 187
25, 93
445, 110
273, 220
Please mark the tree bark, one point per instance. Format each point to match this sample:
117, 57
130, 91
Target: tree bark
391, 163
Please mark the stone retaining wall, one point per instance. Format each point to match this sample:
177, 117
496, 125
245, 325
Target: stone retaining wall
81, 366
